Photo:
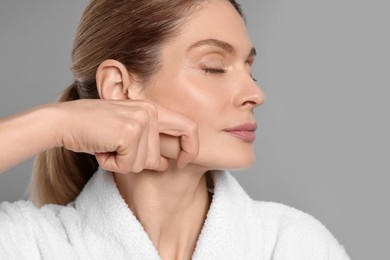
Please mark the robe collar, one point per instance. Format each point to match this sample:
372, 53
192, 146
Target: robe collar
227, 232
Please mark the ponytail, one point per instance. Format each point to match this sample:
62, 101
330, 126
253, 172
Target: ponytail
59, 175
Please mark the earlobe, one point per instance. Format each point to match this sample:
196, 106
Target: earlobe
112, 80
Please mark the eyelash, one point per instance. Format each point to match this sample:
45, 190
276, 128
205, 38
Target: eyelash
220, 71
214, 71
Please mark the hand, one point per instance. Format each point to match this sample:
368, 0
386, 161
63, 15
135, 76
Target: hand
125, 135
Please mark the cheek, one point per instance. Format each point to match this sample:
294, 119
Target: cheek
207, 103
191, 96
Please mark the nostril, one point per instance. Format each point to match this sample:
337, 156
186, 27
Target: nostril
249, 102
253, 100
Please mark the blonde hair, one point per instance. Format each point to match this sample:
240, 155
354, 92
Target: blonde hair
130, 31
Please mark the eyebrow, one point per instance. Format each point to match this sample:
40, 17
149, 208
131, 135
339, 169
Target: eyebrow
227, 47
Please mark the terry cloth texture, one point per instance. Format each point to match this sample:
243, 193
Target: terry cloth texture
99, 225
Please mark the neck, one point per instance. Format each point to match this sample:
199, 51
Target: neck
171, 206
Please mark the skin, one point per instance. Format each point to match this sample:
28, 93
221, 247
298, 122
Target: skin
159, 139
214, 88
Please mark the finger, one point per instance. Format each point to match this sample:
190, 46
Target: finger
105, 161
154, 159
189, 145
128, 150
163, 165
177, 125
169, 146
142, 149
188, 152
122, 160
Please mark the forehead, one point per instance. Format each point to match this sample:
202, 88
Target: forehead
216, 19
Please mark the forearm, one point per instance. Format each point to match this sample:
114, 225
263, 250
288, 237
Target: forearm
27, 134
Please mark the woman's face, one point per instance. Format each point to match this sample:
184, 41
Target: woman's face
206, 76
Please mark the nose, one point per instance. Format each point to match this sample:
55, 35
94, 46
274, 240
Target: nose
250, 95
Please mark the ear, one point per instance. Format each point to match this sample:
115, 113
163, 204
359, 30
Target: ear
113, 81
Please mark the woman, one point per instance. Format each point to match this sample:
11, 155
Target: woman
131, 160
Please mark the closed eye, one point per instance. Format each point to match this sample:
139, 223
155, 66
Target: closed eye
214, 71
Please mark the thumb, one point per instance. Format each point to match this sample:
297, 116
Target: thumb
107, 161
164, 164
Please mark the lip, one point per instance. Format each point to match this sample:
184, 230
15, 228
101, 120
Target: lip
246, 131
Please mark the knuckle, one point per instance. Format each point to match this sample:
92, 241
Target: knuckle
130, 132
141, 116
121, 171
151, 109
154, 164
196, 152
137, 169
149, 105
133, 129
193, 127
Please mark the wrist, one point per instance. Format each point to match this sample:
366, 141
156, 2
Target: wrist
53, 125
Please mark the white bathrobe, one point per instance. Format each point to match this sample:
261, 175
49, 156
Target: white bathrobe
99, 225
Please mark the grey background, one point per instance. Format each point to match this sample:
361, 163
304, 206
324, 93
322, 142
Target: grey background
323, 139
